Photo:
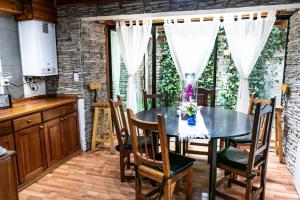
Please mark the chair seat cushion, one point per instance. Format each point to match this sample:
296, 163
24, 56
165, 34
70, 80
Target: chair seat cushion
178, 162
242, 139
128, 145
236, 158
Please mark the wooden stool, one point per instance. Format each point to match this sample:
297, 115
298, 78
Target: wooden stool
278, 134
103, 107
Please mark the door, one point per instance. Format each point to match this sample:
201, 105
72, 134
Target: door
71, 132
29, 151
53, 141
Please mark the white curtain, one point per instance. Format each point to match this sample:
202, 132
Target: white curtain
246, 39
191, 44
115, 62
133, 39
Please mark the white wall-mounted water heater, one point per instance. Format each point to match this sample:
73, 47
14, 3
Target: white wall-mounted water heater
38, 48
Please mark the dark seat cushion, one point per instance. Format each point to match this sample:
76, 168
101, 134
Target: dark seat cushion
236, 158
242, 139
129, 146
178, 162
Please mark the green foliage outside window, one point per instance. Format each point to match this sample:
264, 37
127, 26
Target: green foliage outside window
169, 80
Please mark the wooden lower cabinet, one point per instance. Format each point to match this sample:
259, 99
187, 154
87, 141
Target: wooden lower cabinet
53, 141
7, 142
61, 138
8, 178
29, 148
72, 132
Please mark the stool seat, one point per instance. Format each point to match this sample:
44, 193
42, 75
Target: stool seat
102, 103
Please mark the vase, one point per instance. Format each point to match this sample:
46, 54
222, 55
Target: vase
189, 90
191, 120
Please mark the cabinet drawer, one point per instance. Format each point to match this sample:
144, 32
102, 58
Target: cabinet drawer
27, 121
5, 128
59, 111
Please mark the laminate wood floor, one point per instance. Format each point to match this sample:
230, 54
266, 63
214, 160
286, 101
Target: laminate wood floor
91, 176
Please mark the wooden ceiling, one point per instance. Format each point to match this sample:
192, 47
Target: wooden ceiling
65, 2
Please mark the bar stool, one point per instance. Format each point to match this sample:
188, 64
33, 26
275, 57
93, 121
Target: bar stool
102, 107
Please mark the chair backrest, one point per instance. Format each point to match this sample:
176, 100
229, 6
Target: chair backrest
141, 132
203, 97
163, 98
119, 120
251, 104
261, 132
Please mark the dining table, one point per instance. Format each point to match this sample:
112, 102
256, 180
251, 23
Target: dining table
212, 123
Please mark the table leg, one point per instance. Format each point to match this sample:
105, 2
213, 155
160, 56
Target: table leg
177, 145
213, 169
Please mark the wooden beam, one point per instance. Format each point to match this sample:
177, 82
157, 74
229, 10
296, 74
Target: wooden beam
67, 2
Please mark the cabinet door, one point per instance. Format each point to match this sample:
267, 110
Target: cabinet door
29, 151
8, 186
71, 130
7, 142
53, 141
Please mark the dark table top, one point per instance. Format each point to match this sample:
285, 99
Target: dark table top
220, 123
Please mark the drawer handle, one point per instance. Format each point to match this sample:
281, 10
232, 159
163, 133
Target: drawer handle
41, 127
29, 121
62, 119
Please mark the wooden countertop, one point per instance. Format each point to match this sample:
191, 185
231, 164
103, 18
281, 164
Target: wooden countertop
29, 106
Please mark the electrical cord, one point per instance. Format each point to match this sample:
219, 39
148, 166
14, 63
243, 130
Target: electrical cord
32, 84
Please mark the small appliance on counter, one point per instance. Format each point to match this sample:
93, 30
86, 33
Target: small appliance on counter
5, 101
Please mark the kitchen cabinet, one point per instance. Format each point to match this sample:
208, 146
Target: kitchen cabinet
53, 141
7, 142
29, 149
44, 132
71, 132
8, 183
10, 6
43, 10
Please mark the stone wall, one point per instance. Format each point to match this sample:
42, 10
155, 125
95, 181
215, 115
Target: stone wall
292, 103
80, 48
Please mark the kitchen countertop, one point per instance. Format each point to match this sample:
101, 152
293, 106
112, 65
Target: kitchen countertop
31, 105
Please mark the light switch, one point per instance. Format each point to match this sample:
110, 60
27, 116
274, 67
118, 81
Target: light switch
75, 76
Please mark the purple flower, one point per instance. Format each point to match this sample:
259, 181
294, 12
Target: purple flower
188, 92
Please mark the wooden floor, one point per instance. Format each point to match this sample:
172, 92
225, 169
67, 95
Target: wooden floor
92, 176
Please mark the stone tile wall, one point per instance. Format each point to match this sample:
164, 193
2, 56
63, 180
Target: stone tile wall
292, 103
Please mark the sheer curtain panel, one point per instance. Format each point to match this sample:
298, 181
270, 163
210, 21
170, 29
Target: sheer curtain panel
115, 62
246, 39
191, 43
133, 39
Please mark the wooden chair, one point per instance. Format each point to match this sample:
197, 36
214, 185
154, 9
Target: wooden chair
124, 142
165, 168
163, 98
235, 161
245, 141
203, 97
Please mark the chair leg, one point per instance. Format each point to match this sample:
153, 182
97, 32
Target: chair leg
184, 147
167, 190
95, 126
263, 181
122, 167
248, 189
229, 183
138, 188
128, 161
188, 186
